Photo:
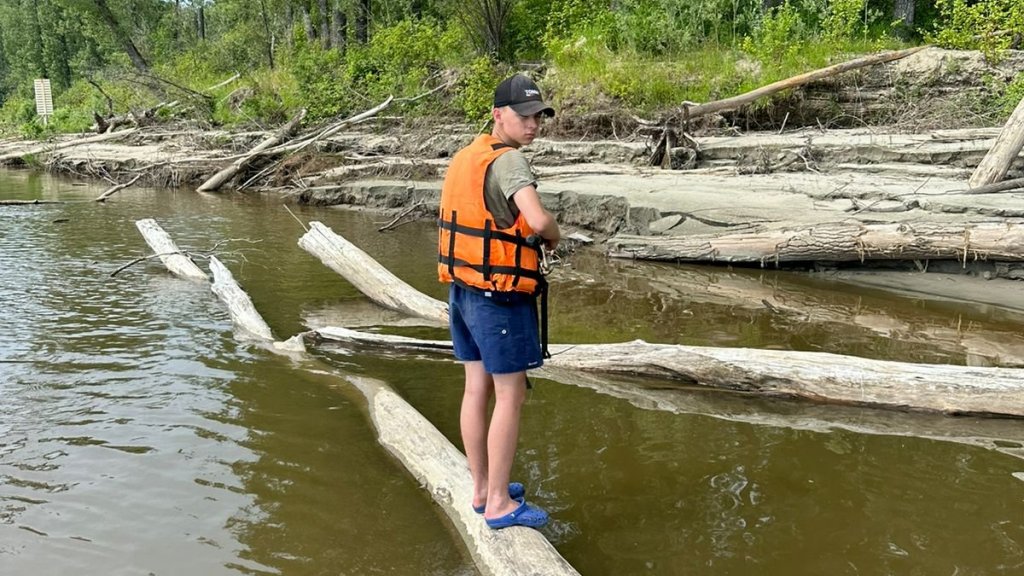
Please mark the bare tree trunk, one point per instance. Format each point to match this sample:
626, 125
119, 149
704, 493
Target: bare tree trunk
269, 41
325, 23
37, 42
903, 12
201, 23
363, 22
307, 24
121, 35
339, 30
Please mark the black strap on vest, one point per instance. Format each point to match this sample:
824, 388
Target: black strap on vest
486, 250
451, 245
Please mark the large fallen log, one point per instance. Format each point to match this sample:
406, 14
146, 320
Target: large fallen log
225, 175
839, 242
1001, 156
691, 110
173, 258
368, 276
443, 470
818, 376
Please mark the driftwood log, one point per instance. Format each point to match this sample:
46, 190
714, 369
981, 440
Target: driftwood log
369, 277
173, 258
225, 175
243, 313
443, 470
17, 155
691, 110
27, 202
817, 376
1001, 156
838, 242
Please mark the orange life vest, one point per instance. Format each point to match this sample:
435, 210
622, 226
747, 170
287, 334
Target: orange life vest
471, 251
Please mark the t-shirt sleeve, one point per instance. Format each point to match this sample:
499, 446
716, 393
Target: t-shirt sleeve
513, 173
508, 174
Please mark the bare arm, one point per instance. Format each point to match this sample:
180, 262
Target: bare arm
542, 221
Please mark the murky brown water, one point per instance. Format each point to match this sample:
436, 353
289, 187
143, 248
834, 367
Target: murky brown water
137, 435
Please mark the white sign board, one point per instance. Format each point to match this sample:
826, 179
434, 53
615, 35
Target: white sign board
44, 100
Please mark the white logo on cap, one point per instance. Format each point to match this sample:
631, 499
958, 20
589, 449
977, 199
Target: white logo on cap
531, 92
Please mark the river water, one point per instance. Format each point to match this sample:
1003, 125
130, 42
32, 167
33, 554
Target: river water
139, 436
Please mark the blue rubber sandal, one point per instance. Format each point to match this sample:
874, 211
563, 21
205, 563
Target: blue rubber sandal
525, 515
515, 492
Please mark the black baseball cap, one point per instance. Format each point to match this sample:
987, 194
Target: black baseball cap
523, 95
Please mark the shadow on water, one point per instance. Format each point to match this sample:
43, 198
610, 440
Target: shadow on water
139, 436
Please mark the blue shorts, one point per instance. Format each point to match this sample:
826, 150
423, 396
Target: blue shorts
500, 330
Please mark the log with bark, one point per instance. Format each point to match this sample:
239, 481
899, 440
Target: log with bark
817, 376
225, 175
836, 242
691, 110
1004, 151
27, 202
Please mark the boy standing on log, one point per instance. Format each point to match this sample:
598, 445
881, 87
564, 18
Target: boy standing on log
492, 225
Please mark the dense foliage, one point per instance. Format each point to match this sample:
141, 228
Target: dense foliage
337, 57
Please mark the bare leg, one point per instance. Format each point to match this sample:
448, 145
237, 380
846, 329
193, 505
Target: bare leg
473, 423
502, 438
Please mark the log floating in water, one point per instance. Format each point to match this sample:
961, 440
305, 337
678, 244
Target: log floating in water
842, 242
173, 258
243, 313
435, 462
814, 376
368, 276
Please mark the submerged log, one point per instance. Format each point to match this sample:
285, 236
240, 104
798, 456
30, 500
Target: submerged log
818, 376
27, 202
243, 313
368, 276
224, 176
173, 258
1001, 156
443, 470
841, 242
117, 188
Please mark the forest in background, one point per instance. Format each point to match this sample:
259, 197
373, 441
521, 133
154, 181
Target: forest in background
339, 57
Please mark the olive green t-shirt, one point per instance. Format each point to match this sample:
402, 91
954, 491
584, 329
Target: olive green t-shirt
508, 174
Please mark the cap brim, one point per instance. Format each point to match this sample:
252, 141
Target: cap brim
533, 108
